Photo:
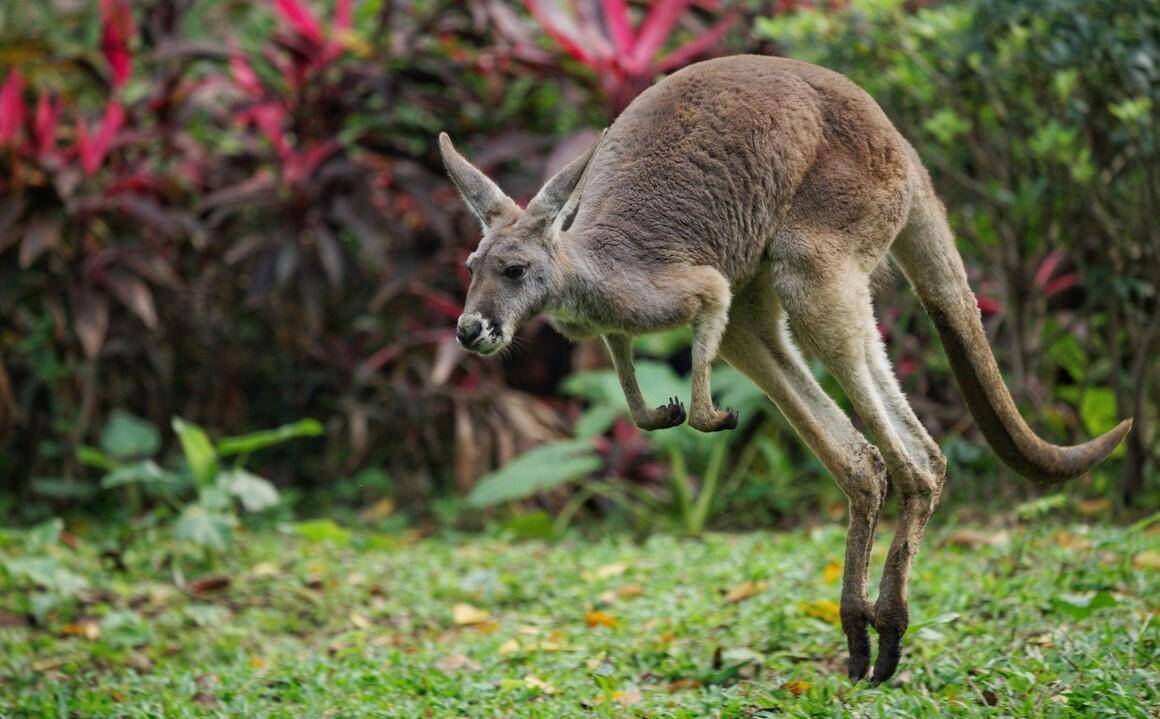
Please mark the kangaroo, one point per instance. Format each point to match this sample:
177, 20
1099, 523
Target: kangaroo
753, 198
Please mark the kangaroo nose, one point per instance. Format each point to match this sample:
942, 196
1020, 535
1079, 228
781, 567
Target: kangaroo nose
468, 329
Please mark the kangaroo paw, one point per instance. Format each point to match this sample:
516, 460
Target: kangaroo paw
892, 621
718, 420
856, 623
665, 416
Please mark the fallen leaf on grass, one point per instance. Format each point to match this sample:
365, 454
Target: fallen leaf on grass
606, 571
596, 618
533, 682
679, 684
1148, 559
974, 538
1067, 540
832, 572
464, 614
627, 697
456, 662
797, 687
743, 591
554, 642
208, 583
360, 622
629, 591
45, 665
511, 646
265, 569
88, 629
823, 609
1092, 506
205, 699
378, 511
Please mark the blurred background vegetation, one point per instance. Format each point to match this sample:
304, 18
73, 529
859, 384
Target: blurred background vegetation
219, 216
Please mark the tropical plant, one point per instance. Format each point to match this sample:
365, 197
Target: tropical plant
205, 488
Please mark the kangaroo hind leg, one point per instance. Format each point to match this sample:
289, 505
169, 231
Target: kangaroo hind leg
757, 343
835, 319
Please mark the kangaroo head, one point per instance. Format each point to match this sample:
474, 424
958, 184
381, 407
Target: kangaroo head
518, 266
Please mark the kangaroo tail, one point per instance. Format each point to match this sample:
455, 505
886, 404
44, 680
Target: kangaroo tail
925, 250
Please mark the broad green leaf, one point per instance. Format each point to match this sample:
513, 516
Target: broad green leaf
1098, 410
254, 492
143, 472
205, 528
1081, 606
247, 443
47, 573
127, 436
40, 537
598, 418
322, 530
125, 628
199, 452
542, 468
93, 457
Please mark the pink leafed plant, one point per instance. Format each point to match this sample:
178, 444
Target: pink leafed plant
626, 54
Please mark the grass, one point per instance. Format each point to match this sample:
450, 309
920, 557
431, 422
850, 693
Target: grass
1039, 621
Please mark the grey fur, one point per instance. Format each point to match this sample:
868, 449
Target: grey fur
752, 197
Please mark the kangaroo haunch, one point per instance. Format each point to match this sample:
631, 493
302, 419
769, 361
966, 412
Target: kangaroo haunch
752, 198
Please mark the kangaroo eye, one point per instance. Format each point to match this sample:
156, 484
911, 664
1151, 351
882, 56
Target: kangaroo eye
515, 272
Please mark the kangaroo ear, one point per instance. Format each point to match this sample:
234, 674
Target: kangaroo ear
561, 195
482, 196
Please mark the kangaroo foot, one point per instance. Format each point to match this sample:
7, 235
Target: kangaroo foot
665, 416
715, 420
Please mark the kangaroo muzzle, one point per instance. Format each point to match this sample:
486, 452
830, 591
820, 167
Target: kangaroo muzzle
476, 333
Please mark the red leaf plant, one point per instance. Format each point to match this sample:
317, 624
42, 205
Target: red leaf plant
626, 54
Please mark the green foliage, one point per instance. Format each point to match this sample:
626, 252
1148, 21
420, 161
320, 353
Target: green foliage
294, 625
536, 470
203, 489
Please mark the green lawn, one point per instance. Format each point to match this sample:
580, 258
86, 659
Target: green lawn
1047, 621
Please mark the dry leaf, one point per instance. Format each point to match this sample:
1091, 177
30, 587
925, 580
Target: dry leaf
973, 538
630, 696
797, 687
360, 622
823, 609
88, 629
208, 583
1067, 540
679, 684
606, 571
511, 646
1148, 559
596, 618
465, 614
1092, 506
266, 569
832, 572
629, 591
745, 590
456, 662
532, 682
378, 511
553, 643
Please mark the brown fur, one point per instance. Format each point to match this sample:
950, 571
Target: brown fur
751, 197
